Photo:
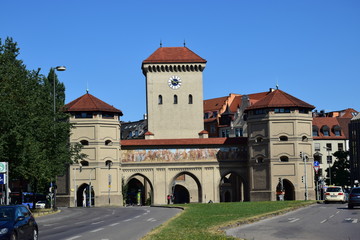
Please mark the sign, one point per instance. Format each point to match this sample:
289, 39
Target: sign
2, 178
3, 167
316, 163
316, 168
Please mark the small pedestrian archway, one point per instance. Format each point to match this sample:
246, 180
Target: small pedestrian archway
287, 189
139, 190
82, 196
186, 188
232, 188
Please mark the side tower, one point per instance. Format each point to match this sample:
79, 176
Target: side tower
279, 129
174, 93
97, 129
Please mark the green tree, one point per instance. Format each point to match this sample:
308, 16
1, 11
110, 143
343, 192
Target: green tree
34, 139
340, 170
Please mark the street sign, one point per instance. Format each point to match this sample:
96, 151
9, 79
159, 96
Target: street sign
316, 163
316, 168
3, 167
2, 178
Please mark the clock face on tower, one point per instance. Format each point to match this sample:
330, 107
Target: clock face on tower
174, 82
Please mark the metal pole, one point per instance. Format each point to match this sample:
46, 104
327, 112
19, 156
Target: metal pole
75, 190
305, 180
329, 166
7, 183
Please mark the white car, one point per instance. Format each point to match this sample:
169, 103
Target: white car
335, 194
40, 204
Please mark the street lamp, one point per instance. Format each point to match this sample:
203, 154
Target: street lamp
60, 69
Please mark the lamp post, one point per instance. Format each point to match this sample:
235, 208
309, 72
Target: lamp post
304, 158
60, 69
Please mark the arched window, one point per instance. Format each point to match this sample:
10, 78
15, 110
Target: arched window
315, 131
84, 163
175, 99
259, 160
108, 142
160, 100
337, 130
325, 130
190, 99
259, 139
283, 138
108, 164
284, 159
84, 142
304, 138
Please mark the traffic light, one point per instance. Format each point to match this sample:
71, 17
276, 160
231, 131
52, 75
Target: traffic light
302, 179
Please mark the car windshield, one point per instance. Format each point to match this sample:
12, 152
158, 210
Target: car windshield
334, 190
6, 214
355, 190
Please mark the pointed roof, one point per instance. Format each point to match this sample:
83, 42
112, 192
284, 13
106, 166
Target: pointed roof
89, 103
278, 98
174, 55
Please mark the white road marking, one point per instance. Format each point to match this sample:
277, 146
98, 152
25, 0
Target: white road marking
323, 221
137, 216
331, 216
75, 237
355, 220
151, 220
94, 223
96, 230
114, 224
337, 212
127, 220
294, 220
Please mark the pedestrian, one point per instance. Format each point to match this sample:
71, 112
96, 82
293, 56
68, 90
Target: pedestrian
168, 199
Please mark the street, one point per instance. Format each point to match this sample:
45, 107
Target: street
102, 223
317, 222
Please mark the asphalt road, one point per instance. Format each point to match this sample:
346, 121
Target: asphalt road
128, 223
316, 222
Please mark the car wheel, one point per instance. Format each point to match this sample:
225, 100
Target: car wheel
35, 234
13, 236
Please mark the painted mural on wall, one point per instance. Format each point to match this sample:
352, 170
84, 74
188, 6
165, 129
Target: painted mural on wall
178, 155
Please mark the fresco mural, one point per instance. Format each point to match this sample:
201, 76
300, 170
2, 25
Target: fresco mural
180, 155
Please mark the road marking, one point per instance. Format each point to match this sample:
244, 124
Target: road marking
355, 220
114, 224
337, 212
96, 230
323, 221
75, 237
127, 220
94, 223
137, 216
292, 220
151, 220
331, 216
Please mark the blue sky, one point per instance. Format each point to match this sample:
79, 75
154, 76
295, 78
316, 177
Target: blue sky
310, 48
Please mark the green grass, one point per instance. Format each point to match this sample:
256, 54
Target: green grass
203, 221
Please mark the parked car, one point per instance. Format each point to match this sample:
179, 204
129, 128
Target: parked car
17, 223
354, 197
335, 194
40, 204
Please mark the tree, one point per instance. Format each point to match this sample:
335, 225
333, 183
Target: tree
340, 170
34, 139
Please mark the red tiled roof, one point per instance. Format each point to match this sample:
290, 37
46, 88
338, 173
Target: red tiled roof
182, 142
214, 104
346, 113
331, 122
89, 103
174, 55
278, 98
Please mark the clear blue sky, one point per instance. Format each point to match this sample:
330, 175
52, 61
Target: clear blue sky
311, 48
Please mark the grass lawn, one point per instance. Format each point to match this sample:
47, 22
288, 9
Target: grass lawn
203, 221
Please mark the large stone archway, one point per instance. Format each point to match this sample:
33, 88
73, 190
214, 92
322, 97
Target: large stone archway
186, 188
232, 188
139, 190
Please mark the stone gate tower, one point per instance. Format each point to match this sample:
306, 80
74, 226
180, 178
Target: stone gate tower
174, 93
279, 129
